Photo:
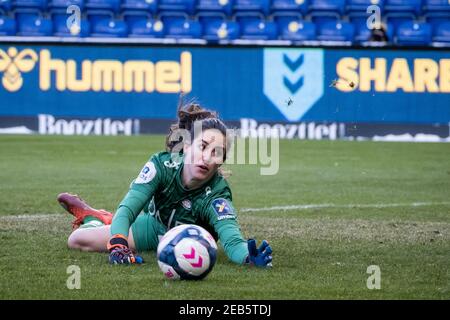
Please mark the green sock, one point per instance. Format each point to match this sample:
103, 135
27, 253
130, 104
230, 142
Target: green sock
91, 222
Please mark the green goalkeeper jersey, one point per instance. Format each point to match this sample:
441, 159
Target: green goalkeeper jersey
158, 190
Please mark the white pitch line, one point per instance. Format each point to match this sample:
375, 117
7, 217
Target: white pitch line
283, 208
349, 206
30, 216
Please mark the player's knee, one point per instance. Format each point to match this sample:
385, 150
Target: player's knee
77, 241
72, 241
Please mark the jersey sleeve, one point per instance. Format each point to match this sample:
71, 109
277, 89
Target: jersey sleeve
141, 190
221, 215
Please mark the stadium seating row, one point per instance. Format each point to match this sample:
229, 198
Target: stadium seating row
410, 22
408, 33
341, 7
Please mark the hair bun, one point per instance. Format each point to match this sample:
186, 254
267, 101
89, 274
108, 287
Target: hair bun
192, 112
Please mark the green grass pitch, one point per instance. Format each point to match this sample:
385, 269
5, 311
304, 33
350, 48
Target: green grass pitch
387, 204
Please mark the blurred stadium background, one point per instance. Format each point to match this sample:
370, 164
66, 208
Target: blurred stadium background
311, 69
294, 69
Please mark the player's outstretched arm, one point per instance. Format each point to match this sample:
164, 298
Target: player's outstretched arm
241, 251
222, 216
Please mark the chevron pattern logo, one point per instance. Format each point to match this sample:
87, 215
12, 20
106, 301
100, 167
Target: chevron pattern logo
293, 66
296, 75
195, 260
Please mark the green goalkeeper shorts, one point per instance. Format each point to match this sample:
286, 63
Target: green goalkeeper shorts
147, 231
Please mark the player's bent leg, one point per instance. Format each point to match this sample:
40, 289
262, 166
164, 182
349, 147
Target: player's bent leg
94, 239
147, 231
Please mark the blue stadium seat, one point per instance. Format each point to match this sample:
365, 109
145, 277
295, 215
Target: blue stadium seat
98, 10
111, 28
436, 6
283, 19
60, 28
183, 29
362, 33
298, 31
403, 6
436, 19
7, 26
322, 11
337, 6
211, 16
217, 30
144, 6
436, 12
397, 20
358, 18
414, 34
32, 9
5, 6
336, 31
262, 6
36, 4
138, 10
35, 27
187, 6
297, 6
168, 17
146, 28
257, 29
398, 12
442, 34
109, 5
224, 6
62, 5
131, 17
362, 5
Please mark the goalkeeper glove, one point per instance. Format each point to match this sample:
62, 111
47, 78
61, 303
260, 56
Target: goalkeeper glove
120, 253
260, 257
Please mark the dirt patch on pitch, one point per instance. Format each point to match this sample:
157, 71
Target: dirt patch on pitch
327, 229
346, 229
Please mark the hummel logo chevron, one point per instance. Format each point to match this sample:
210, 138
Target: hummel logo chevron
192, 256
293, 87
293, 65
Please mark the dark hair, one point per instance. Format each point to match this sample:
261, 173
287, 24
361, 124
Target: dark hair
189, 113
379, 34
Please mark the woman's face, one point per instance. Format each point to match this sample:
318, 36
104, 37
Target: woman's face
205, 155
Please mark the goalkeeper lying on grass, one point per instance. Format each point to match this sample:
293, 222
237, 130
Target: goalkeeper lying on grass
181, 186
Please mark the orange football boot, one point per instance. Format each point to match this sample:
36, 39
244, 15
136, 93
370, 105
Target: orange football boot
80, 209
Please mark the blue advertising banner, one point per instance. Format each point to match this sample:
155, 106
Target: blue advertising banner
274, 84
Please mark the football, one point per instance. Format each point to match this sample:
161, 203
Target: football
187, 252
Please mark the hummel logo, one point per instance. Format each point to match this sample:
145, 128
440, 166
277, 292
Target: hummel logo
13, 63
